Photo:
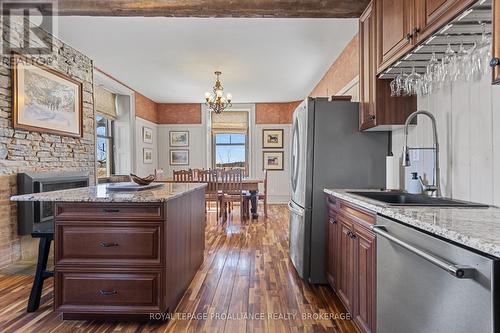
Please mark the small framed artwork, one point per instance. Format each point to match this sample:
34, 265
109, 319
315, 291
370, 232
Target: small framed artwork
272, 160
179, 139
147, 156
147, 135
179, 157
272, 138
45, 100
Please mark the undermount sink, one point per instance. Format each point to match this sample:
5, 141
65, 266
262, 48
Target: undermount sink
407, 199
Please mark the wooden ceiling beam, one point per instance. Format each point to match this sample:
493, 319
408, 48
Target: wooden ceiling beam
214, 8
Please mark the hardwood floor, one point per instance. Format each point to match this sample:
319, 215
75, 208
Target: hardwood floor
245, 284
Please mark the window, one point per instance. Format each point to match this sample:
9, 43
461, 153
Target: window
230, 150
104, 146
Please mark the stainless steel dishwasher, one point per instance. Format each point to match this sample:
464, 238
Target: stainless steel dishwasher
425, 284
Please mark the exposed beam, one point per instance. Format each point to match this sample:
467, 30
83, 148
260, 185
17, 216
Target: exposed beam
214, 8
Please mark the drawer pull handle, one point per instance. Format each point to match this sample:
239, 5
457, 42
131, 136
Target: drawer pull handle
107, 292
333, 221
106, 244
110, 210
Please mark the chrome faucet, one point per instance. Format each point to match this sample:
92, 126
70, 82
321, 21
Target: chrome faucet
434, 188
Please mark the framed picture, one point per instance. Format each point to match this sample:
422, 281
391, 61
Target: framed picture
272, 160
272, 138
147, 156
179, 157
45, 100
179, 139
147, 135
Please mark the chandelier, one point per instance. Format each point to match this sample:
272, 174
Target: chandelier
216, 100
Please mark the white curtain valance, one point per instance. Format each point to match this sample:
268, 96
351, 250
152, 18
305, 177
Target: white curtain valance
105, 103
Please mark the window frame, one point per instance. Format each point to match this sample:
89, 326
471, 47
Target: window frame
110, 138
215, 144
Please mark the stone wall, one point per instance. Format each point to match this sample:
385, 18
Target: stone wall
22, 151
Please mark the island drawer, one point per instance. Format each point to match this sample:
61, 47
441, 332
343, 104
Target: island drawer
100, 244
109, 211
100, 290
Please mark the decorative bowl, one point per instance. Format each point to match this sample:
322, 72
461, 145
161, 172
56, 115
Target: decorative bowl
142, 181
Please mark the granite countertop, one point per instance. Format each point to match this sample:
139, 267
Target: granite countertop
100, 193
476, 228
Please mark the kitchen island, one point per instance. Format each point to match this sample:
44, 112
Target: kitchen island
124, 255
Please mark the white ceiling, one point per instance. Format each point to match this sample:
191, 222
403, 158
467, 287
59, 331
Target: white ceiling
173, 59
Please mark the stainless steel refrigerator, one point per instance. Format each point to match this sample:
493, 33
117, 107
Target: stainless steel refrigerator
328, 151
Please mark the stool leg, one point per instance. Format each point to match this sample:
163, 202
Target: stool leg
41, 266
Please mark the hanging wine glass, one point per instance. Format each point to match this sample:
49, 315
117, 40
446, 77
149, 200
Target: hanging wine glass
448, 65
413, 83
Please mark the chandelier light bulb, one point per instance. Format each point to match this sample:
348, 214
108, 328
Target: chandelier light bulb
208, 95
229, 97
219, 93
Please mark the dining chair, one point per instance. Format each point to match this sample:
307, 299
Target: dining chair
232, 191
196, 174
183, 176
212, 194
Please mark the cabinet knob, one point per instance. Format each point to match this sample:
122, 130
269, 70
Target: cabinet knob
415, 31
409, 36
494, 62
371, 117
333, 221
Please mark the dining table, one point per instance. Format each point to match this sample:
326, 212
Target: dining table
250, 184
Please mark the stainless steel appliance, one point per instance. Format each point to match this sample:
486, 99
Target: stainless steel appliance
425, 284
328, 151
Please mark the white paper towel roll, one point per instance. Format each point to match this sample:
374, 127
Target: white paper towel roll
391, 173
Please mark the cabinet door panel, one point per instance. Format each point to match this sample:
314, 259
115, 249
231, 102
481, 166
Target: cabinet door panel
345, 287
433, 14
332, 252
364, 312
496, 40
395, 21
367, 53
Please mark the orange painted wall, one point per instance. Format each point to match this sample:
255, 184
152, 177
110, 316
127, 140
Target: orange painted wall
185, 113
344, 69
275, 113
146, 108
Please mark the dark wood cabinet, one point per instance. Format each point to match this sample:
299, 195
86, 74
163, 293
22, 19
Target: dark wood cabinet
351, 256
395, 24
332, 242
496, 42
116, 260
377, 109
345, 248
365, 254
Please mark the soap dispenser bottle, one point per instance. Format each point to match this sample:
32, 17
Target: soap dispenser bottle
414, 186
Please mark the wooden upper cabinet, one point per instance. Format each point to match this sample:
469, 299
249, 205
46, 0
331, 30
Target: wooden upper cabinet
395, 22
368, 71
431, 15
496, 42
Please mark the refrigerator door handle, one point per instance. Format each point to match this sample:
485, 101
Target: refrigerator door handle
294, 210
295, 154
